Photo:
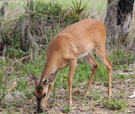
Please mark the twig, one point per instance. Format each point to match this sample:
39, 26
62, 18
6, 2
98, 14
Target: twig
11, 88
19, 60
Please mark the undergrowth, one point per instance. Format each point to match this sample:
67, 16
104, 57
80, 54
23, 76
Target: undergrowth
47, 19
114, 104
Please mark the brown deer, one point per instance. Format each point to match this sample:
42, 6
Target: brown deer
78, 40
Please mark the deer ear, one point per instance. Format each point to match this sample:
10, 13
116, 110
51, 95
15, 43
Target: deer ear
50, 79
34, 78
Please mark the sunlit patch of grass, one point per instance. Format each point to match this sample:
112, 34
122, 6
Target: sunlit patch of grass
83, 73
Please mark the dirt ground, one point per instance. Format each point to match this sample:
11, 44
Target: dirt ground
94, 104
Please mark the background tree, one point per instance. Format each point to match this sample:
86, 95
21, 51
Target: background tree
118, 20
2, 36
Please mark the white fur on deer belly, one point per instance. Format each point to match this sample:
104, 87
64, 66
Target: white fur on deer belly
85, 54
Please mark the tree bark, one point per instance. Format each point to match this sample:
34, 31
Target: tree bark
111, 21
2, 36
118, 20
31, 40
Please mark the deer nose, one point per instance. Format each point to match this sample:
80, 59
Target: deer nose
39, 110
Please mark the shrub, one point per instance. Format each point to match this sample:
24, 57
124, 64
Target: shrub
45, 20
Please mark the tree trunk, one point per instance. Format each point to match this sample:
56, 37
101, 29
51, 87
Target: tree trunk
31, 40
118, 20
2, 36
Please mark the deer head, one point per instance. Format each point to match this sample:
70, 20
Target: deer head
41, 90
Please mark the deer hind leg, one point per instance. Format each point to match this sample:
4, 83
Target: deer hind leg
94, 67
108, 64
72, 68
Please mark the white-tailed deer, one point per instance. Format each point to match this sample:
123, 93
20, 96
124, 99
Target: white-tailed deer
77, 40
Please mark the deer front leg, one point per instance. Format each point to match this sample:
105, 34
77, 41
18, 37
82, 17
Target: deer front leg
71, 75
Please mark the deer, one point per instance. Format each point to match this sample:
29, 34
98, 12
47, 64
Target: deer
80, 39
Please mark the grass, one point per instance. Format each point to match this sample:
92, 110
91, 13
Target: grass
115, 104
121, 59
67, 109
19, 89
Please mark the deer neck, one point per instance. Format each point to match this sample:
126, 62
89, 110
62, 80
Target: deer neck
50, 67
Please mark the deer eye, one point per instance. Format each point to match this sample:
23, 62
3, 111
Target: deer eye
44, 94
45, 82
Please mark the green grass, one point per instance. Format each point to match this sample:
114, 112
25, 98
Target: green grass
114, 104
83, 73
123, 77
121, 59
67, 109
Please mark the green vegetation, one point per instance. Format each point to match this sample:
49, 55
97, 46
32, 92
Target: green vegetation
121, 59
115, 104
47, 19
67, 109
